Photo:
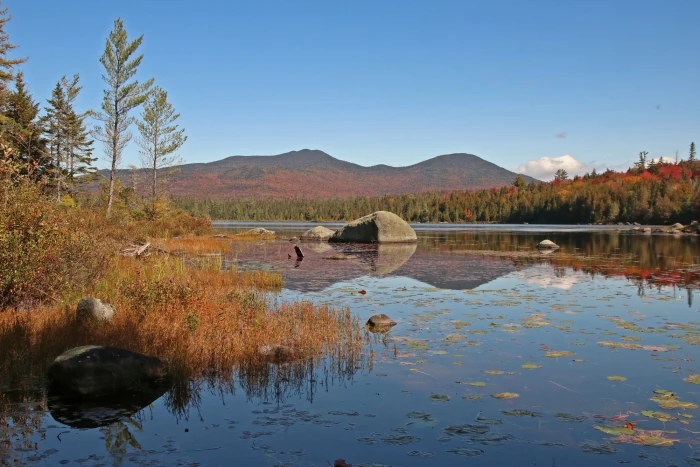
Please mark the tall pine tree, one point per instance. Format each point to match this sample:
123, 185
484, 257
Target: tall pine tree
24, 130
78, 144
55, 127
160, 138
7, 76
122, 95
691, 156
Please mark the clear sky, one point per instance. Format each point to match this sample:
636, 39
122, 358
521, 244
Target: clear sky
395, 82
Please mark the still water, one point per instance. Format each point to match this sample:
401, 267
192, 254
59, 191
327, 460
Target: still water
501, 354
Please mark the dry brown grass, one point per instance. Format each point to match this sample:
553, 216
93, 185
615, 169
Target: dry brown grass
199, 319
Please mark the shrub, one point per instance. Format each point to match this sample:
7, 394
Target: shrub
45, 249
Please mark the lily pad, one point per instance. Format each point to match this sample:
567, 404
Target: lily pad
559, 353
617, 378
520, 413
479, 384
505, 395
439, 397
492, 372
695, 379
531, 366
614, 430
660, 416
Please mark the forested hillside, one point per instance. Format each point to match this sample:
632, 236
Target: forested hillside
647, 193
315, 174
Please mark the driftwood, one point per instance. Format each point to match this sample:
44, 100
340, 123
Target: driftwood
146, 249
298, 251
135, 250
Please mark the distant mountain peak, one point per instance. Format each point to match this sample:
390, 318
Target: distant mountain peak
313, 173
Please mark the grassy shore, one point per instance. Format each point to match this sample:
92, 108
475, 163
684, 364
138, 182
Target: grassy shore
184, 308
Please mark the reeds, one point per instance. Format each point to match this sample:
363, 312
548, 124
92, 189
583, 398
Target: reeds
201, 319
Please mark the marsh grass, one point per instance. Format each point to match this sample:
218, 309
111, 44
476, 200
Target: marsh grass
202, 319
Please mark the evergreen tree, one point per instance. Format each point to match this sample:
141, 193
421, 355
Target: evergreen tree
121, 96
55, 126
561, 174
24, 130
519, 182
160, 138
691, 155
78, 144
642, 163
7, 75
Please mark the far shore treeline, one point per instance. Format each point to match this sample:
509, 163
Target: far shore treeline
648, 193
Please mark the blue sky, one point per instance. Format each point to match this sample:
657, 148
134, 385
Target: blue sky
395, 82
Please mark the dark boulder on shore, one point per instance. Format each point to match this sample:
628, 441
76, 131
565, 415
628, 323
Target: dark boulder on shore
378, 227
96, 371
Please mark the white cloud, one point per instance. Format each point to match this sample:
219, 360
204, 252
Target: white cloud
545, 167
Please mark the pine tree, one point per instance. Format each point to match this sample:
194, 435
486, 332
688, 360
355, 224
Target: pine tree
7, 75
78, 144
24, 130
160, 138
519, 182
121, 96
642, 163
55, 127
691, 156
561, 174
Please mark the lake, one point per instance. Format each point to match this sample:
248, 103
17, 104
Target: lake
507, 356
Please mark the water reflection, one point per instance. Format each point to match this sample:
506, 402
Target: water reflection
96, 413
466, 260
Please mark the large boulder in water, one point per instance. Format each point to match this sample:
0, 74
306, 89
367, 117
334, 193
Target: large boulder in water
378, 227
317, 234
94, 310
95, 371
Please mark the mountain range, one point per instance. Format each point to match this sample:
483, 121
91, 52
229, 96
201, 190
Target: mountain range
312, 174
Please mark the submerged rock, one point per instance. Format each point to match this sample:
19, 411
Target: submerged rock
94, 309
378, 227
317, 234
95, 371
277, 352
547, 245
381, 320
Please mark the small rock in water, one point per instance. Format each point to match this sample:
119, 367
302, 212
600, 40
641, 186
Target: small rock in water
317, 234
259, 231
277, 352
94, 309
547, 245
341, 463
381, 320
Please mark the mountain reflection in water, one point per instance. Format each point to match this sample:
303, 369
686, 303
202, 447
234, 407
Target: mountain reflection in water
465, 260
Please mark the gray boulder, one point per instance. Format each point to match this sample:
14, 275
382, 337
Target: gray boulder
317, 234
547, 245
94, 310
676, 226
94, 371
378, 227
